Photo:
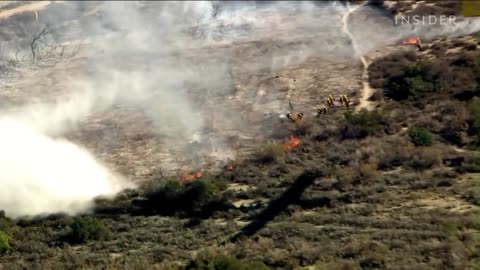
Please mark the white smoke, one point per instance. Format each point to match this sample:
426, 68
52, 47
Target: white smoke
40, 175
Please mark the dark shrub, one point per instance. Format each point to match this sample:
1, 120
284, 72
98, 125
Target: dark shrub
362, 124
404, 76
475, 111
472, 164
198, 197
5, 223
420, 136
415, 82
473, 196
393, 155
84, 229
424, 159
270, 153
222, 262
390, 66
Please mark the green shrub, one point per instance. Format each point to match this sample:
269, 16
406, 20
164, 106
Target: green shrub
84, 229
420, 136
472, 164
222, 262
5, 223
198, 194
362, 124
197, 197
475, 111
4, 245
413, 83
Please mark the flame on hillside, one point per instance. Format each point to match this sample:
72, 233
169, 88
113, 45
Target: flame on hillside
294, 142
190, 177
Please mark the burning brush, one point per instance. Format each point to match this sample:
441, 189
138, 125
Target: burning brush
190, 177
294, 142
413, 41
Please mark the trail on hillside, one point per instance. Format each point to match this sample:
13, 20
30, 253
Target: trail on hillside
28, 7
367, 91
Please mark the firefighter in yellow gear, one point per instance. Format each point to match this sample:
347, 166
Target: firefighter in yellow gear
419, 44
329, 103
322, 110
347, 102
344, 100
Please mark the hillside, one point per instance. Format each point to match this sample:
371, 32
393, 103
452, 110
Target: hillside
189, 122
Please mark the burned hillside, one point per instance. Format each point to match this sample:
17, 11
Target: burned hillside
231, 135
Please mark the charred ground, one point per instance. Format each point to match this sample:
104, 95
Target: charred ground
358, 193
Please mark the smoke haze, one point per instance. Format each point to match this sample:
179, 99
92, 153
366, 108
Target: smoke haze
181, 64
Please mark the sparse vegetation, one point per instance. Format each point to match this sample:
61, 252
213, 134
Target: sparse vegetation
475, 110
84, 229
420, 136
199, 197
270, 153
223, 262
362, 124
4, 245
472, 164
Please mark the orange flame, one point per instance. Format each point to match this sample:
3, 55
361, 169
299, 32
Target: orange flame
294, 142
412, 41
190, 177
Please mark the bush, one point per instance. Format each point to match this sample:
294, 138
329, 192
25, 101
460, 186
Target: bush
420, 136
414, 83
199, 197
5, 223
472, 164
362, 124
475, 111
84, 229
424, 159
406, 76
4, 245
270, 153
222, 262
392, 153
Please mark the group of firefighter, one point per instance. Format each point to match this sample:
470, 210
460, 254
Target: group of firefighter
344, 101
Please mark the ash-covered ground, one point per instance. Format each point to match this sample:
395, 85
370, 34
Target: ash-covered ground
194, 97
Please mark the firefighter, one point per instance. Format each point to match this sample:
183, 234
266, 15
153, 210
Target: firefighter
344, 100
322, 110
329, 102
295, 116
419, 45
